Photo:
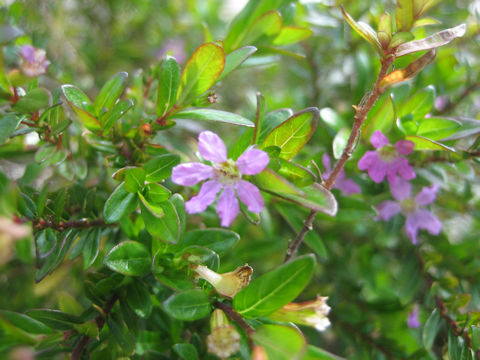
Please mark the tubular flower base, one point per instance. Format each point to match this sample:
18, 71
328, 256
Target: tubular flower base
417, 218
311, 313
227, 284
387, 160
225, 176
224, 340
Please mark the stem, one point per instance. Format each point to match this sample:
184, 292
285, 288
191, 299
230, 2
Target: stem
237, 318
63, 225
361, 112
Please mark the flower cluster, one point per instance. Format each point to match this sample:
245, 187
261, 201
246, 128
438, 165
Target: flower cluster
224, 176
35, 61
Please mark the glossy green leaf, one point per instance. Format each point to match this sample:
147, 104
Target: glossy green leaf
134, 179
8, 124
139, 299
186, 351
26, 323
274, 289
33, 100
150, 210
418, 105
91, 247
422, 143
235, 59
9, 33
54, 319
292, 135
404, 15
272, 120
201, 72
168, 81
156, 193
213, 115
159, 168
188, 305
340, 142
218, 240
109, 93
121, 333
109, 119
166, 227
292, 34
119, 204
364, 30
129, 258
268, 24
179, 204
45, 242
400, 38
280, 342
295, 173
438, 128
315, 353
81, 106
430, 42
470, 127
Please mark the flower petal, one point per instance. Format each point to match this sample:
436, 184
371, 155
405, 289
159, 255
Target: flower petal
369, 158
227, 206
411, 227
428, 221
211, 147
427, 195
413, 320
379, 140
206, 196
401, 167
326, 164
404, 147
191, 173
347, 186
250, 196
252, 162
387, 209
401, 189
378, 170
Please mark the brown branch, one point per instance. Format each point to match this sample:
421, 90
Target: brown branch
63, 225
237, 318
307, 226
100, 321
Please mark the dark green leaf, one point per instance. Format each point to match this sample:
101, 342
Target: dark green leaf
186, 351
219, 240
129, 258
138, 298
156, 193
168, 81
82, 106
274, 289
45, 241
109, 119
91, 247
109, 93
134, 179
34, 100
119, 204
26, 323
432, 326
235, 59
160, 167
188, 305
55, 319
213, 115
167, 226
121, 333
8, 124
280, 342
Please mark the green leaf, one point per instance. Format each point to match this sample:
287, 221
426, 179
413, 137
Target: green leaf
34, 100
381, 117
166, 227
299, 175
138, 298
315, 353
280, 342
422, 143
213, 115
438, 128
81, 106
340, 142
400, 38
9, 33
186, 351
55, 319
121, 333
168, 81
274, 289
235, 59
119, 204
26, 323
332, 119
292, 34
129, 258
218, 240
432, 326
91, 247
404, 15
433, 41
45, 242
160, 167
8, 124
384, 32
109, 119
364, 30
188, 305
418, 105
201, 72
134, 179
156, 193
292, 135
268, 24
109, 93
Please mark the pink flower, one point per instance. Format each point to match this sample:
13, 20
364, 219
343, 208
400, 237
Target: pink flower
346, 186
417, 218
413, 321
225, 176
387, 160
35, 61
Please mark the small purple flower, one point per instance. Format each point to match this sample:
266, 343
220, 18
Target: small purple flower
413, 321
387, 160
35, 61
417, 218
224, 175
346, 186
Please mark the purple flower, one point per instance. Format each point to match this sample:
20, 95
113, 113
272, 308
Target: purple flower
35, 61
413, 321
224, 175
417, 218
387, 160
346, 186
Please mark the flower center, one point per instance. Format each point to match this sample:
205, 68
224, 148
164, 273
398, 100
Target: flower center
388, 153
227, 173
408, 206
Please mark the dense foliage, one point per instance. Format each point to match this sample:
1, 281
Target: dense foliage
196, 180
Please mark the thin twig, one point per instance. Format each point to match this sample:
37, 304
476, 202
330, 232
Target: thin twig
307, 226
237, 318
63, 225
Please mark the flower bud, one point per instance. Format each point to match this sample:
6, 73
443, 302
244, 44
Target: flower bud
312, 313
224, 339
35, 61
227, 284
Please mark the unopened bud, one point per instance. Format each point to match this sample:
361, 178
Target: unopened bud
224, 339
35, 61
312, 313
227, 284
